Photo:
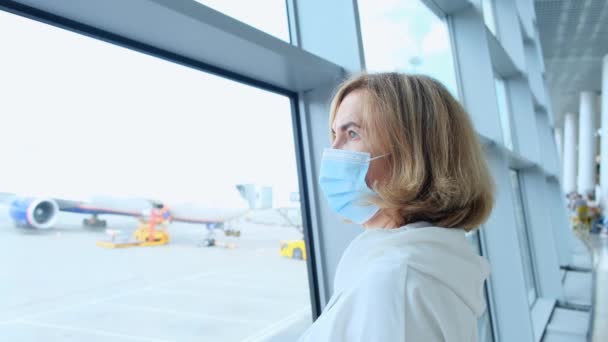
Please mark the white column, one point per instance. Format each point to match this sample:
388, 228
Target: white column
586, 143
559, 142
570, 141
604, 135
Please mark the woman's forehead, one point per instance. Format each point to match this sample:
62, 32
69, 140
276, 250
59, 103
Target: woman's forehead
350, 110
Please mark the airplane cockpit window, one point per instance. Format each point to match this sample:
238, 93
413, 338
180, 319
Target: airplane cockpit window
141, 199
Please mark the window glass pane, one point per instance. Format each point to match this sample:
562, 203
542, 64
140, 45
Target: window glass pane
269, 16
503, 111
488, 14
88, 126
524, 242
406, 36
484, 324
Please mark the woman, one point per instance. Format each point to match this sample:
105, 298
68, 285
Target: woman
406, 164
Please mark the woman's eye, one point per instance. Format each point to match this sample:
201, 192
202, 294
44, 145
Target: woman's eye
352, 134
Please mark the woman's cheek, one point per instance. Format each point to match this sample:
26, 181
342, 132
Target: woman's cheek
377, 171
358, 145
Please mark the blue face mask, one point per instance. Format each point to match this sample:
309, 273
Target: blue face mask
342, 180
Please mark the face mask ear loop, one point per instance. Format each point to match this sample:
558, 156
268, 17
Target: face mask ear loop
380, 156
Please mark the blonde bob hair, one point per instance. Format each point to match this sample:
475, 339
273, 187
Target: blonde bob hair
436, 167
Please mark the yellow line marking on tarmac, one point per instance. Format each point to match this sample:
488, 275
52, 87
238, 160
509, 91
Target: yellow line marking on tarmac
278, 326
90, 331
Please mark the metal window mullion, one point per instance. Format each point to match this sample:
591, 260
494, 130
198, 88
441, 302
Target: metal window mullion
312, 24
542, 238
507, 286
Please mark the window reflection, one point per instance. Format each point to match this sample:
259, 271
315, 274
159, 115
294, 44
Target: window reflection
406, 36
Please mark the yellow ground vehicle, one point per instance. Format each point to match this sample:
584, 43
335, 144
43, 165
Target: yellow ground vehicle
144, 236
148, 236
294, 249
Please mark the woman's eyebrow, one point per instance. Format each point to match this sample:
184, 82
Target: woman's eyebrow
347, 125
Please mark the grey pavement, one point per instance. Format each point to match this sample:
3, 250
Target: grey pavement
58, 285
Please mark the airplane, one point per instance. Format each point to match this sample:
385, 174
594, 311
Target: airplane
41, 213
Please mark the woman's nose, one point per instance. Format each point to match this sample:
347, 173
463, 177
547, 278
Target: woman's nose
336, 144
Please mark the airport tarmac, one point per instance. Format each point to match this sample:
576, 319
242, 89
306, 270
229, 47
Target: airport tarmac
57, 285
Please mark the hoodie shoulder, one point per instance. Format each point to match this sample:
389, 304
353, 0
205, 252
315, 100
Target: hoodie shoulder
393, 296
444, 256
434, 308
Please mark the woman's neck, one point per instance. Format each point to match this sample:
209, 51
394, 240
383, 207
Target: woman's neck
382, 219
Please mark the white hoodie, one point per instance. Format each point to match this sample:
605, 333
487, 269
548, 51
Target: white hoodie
414, 283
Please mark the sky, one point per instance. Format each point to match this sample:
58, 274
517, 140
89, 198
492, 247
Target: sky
396, 31
81, 117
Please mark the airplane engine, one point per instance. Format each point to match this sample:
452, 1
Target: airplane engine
34, 213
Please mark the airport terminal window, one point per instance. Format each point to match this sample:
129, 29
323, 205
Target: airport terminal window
406, 36
487, 7
484, 324
269, 16
504, 111
106, 147
522, 233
